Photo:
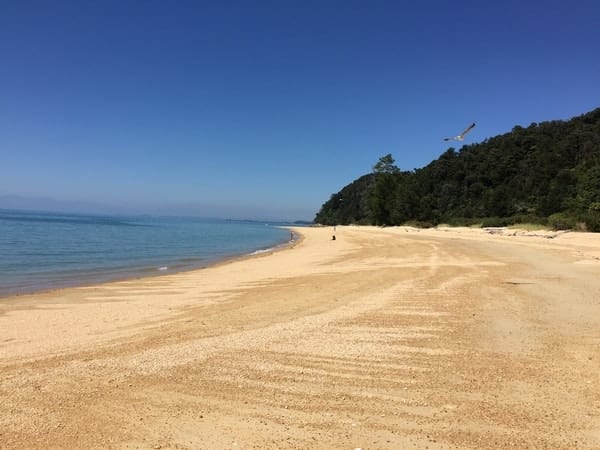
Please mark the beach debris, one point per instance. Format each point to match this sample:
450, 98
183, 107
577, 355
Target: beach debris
461, 136
494, 230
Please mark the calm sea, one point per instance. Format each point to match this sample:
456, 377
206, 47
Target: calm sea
40, 251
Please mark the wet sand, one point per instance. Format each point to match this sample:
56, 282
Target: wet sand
391, 338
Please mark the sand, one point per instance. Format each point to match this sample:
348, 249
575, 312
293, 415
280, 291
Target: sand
391, 338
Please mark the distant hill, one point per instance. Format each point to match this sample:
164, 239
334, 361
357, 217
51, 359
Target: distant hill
547, 173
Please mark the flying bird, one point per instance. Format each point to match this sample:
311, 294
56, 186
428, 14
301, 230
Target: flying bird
461, 136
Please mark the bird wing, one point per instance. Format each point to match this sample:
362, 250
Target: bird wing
469, 128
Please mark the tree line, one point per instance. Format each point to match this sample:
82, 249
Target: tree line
546, 173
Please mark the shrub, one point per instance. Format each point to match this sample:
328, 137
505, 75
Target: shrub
562, 221
591, 220
495, 222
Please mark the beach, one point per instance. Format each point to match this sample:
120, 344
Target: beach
384, 338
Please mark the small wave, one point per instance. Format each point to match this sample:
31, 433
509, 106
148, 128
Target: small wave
270, 249
259, 252
163, 268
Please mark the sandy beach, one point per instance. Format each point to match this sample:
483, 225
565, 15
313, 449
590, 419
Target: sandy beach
385, 338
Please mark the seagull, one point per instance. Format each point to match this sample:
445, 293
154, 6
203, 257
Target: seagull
461, 136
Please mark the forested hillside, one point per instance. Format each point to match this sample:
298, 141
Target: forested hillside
547, 173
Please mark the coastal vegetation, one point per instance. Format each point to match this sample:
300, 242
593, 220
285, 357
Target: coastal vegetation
547, 173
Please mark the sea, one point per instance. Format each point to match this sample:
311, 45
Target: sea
43, 250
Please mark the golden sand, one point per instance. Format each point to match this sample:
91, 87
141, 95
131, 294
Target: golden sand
391, 338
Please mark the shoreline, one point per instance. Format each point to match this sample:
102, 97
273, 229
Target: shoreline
98, 278
385, 338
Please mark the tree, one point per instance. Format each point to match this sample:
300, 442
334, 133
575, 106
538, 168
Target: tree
386, 165
383, 196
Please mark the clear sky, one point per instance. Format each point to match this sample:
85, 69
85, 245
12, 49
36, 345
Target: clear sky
263, 109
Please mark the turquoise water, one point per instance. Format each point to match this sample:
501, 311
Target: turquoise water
39, 251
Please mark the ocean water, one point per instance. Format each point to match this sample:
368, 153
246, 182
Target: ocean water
40, 250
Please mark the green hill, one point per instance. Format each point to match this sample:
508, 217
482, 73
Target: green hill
547, 173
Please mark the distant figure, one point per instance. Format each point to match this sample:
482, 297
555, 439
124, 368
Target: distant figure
333, 237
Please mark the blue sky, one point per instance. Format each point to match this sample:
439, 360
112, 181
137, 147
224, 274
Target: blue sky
263, 109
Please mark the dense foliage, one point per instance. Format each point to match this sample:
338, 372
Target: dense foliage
546, 173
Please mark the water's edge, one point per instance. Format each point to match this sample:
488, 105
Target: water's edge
90, 280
